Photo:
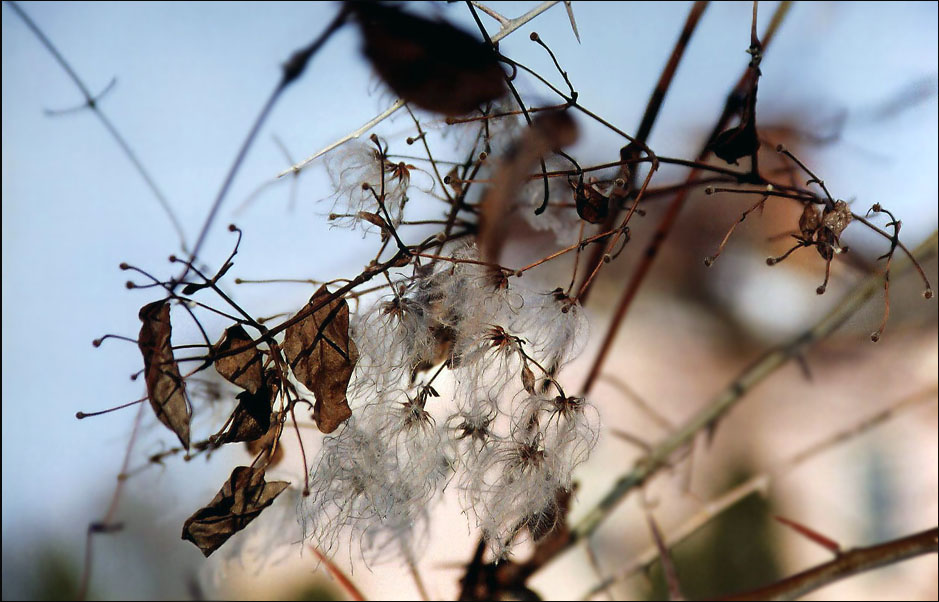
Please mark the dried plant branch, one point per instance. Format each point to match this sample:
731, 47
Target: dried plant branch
671, 215
107, 524
708, 417
759, 483
652, 112
848, 563
91, 103
453, 310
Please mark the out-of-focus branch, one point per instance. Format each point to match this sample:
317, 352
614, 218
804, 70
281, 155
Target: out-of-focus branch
91, 103
846, 564
708, 417
759, 483
674, 208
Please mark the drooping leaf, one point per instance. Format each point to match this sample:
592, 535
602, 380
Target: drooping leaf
322, 356
243, 368
166, 389
741, 141
431, 64
242, 498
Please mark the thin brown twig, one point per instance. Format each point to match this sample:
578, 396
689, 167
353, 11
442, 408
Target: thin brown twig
760, 483
709, 416
652, 110
91, 103
106, 524
851, 562
671, 216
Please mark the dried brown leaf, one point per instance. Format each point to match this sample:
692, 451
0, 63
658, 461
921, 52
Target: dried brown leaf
253, 416
736, 143
454, 182
165, 387
809, 221
268, 447
323, 356
837, 218
243, 368
242, 498
373, 218
592, 206
431, 64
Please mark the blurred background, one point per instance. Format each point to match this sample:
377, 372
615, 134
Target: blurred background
850, 87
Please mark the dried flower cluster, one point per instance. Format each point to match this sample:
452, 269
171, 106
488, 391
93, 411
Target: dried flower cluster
504, 431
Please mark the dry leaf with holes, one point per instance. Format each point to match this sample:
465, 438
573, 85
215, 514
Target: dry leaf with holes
243, 368
242, 498
322, 356
166, 389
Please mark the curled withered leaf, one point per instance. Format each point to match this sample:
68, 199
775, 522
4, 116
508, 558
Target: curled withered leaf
322, 355
166, 389
431, 64
373, 218
243, 368
453, 181
736, 143
825, 241
837, 218
268, 448
809, 221
253, 416
741, 141
592, 205
376, 220
242, 498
